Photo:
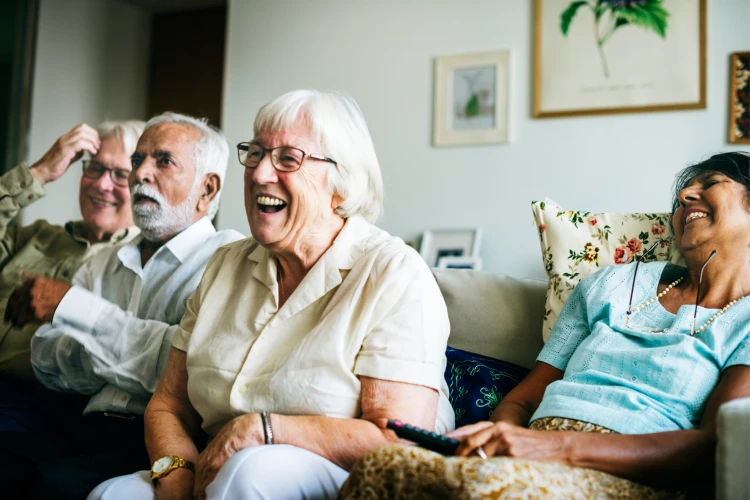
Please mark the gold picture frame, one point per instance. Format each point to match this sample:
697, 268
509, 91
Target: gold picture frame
575, 46
739, 98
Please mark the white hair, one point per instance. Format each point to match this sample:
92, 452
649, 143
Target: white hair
338, 126
128, 131
211, 151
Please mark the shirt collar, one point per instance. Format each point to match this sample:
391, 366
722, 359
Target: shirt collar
77, 230
325, 275
186, 242
181, 246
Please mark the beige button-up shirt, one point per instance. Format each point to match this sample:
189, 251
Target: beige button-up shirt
369, 307
40, 248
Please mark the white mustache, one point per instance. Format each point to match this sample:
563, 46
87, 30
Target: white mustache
151, 192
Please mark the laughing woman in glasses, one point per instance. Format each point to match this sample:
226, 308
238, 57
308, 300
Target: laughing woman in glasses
302, 341
632, 376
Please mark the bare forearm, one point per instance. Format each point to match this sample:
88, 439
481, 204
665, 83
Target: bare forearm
169, 434
341, 440
512, 412
665, 459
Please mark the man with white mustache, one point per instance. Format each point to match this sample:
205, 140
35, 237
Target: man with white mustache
110, 332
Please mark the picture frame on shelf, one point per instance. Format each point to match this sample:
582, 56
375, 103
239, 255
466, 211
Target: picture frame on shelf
593, 57
438, 244
472, 99
739, 98
472, 263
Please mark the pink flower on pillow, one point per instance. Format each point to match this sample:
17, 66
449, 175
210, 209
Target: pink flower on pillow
657, 229
592, 220
634, 245
622, 255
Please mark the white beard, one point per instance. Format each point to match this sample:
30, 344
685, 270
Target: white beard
163, 221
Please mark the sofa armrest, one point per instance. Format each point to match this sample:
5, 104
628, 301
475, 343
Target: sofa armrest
733, 450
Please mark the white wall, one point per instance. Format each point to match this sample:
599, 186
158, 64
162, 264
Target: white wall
382, 53
91, 65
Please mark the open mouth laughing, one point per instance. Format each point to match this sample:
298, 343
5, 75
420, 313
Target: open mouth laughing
139, 199
269, 204
694, 214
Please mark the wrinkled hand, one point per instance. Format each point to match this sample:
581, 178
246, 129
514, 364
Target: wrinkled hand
35, 300
65, 151
468, 430
504, 439
178, 485
239, 433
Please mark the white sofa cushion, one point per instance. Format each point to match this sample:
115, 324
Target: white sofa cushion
494, 315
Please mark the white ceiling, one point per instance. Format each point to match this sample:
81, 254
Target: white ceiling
160, 6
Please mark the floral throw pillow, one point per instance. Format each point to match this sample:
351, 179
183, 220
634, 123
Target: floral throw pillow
576, 244
477, 384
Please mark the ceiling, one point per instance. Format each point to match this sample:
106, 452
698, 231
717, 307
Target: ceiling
161, 6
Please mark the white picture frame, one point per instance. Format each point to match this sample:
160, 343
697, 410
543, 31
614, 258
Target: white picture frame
472, 99
440, 243
472, 263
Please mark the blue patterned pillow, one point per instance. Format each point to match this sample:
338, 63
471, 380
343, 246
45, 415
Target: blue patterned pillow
477, 384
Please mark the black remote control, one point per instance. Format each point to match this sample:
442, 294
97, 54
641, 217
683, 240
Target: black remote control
425, 439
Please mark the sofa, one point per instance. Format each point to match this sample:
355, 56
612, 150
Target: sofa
501, 317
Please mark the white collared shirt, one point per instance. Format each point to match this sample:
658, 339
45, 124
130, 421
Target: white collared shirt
111, 333
368, 307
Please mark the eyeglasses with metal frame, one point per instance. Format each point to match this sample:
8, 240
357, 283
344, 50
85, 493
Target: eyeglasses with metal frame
94, 170
630, 311
283, 158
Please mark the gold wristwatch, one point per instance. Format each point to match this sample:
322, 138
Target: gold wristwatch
167, 464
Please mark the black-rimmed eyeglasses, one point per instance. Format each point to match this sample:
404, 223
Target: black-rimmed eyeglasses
283, 158
94, 170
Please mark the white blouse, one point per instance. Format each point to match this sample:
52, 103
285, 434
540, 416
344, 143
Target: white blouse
369, 307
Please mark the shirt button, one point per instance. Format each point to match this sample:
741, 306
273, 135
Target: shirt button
243, 389
634, 379
66, 274
30, 197
635, 363
123, 397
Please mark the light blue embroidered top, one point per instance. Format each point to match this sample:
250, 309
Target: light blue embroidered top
634, 382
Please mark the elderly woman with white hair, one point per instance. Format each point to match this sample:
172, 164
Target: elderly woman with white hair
300, 342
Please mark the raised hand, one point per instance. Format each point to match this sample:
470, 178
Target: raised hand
65, 151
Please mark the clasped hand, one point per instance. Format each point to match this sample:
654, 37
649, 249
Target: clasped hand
507, 440
36, 300
239, 433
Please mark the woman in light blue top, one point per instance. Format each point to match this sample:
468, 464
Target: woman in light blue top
643, 355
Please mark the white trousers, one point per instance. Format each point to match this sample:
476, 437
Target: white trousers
261, 472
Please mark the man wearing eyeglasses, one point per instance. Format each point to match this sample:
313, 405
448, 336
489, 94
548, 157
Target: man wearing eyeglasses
108, 335
44, 249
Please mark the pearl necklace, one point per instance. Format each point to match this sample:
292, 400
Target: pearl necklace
662, 294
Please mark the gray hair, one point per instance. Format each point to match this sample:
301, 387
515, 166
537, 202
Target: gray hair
128, 131
339, 128
211, 151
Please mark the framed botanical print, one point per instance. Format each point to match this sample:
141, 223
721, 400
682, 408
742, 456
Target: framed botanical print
618, 56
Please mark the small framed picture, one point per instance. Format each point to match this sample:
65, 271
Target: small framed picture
472, 99
473, 263
438, 244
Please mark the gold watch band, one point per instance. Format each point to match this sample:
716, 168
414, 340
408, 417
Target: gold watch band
175, 463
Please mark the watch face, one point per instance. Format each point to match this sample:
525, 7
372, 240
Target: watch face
161, 465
